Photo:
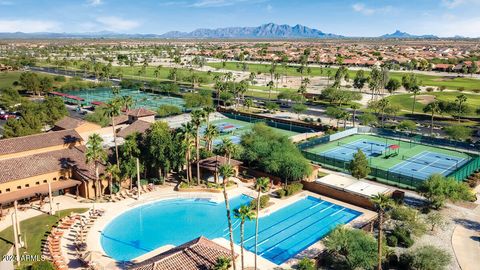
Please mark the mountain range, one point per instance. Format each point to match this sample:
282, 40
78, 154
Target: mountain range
265, 31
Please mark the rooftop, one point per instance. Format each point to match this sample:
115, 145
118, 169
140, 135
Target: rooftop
53, 161
137, 126
38, 141
200, 253
140, 112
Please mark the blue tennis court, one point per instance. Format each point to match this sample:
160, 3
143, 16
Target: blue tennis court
345, 151
427, 163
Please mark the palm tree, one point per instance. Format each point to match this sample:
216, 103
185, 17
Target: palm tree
96, 154
188, 139
381, 202
207, 111
228, 149
126, 102
222, 263
198, 116
433, 108
270, 85
112, 171
354, 107
211, 133
226, 171
113, 110
261, 185
248, 103
243, 213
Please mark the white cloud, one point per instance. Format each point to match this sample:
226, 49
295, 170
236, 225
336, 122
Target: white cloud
94, 2
363, 9
269, 8
113, 23
28, 26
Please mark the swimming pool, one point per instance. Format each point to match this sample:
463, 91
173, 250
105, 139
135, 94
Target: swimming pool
282, 234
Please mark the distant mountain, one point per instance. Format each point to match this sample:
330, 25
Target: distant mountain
400, 34
269, 30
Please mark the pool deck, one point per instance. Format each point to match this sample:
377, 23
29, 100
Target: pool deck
117, 208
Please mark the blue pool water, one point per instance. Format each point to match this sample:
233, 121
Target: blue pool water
282, 234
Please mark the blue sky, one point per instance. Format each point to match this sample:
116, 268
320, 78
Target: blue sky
345, 17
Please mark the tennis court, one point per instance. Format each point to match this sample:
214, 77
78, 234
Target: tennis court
427, 163
410, 161
140, 99
345, 151
234, 129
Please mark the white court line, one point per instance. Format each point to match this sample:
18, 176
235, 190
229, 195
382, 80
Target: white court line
407, 162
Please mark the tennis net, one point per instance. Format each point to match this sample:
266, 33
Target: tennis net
440, 163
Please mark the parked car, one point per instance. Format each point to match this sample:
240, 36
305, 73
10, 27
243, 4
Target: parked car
8, 116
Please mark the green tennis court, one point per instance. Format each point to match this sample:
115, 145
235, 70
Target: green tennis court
234, 129
408, 159
140, 99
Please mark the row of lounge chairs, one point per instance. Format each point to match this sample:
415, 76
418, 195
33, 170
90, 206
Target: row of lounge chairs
52, 246
125, 194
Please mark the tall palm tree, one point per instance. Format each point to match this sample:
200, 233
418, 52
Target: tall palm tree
228, 149
226, 171
188, 139
270, 85
112, 171
207, 111
211, 132
112, 110
433, 108
244, 213
126, 102
354, 107
96, 154
198, 116
381, 202
261, 185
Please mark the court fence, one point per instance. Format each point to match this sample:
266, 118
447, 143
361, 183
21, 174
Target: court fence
269, 122
376, 173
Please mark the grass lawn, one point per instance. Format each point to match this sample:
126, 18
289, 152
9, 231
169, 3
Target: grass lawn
405, 101
35, 230
132, 73
452, 82
7, 78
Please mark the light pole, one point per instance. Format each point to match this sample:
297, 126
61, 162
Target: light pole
58, 210
15, 238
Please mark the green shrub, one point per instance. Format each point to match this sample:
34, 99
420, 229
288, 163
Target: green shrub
264, 199
306, 264
183, 185
461, 89
168, 110
59, 78
392, 241
403, 236
293, 188
281, 193
425, 258
429, 89
157, 181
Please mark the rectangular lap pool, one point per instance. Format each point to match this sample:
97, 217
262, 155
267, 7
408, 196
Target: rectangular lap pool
292, 229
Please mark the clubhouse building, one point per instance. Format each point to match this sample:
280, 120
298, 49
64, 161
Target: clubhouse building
32, 165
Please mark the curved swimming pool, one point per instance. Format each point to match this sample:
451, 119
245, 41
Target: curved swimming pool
282, 234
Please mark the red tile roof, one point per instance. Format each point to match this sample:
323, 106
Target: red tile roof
23, 167
137, 126
38, 141
200, 253
140, 112
68, 122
